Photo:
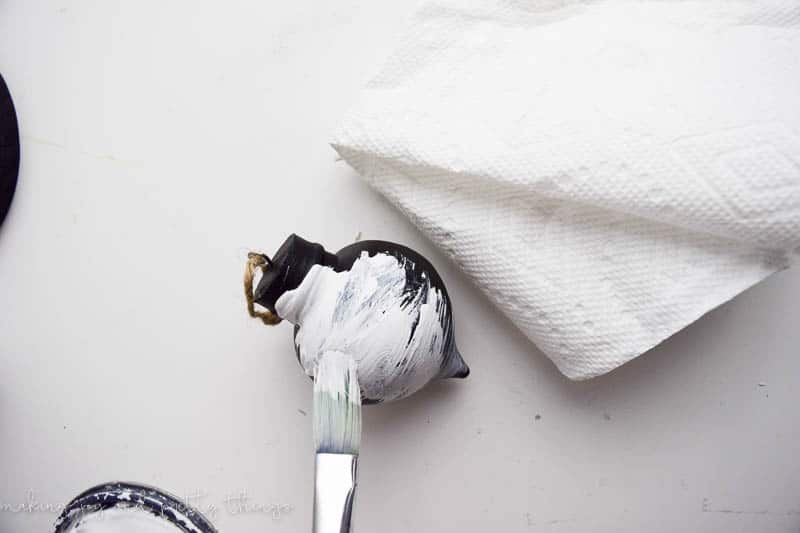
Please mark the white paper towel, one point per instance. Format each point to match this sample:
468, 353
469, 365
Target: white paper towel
606, 171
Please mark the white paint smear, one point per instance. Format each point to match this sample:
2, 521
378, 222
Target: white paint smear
123, 520
394, 335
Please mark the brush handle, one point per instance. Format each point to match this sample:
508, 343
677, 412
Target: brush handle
334, 492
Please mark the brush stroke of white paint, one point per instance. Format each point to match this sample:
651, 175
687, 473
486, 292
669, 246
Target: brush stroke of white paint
367, 314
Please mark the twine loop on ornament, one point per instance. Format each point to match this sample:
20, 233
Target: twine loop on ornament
257, 261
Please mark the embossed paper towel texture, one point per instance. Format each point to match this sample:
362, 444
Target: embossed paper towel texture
606, 171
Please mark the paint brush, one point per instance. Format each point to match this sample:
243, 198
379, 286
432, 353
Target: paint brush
337, 435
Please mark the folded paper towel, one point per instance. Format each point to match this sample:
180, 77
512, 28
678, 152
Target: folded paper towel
607, 171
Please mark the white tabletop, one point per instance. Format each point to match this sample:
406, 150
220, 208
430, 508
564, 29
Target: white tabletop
163, 140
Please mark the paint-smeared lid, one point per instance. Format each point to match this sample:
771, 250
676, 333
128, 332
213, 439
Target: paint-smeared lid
9, 150
130, 508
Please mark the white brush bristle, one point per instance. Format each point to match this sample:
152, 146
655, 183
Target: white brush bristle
337, 405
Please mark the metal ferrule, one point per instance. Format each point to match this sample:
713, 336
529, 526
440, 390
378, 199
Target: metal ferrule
335, 490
